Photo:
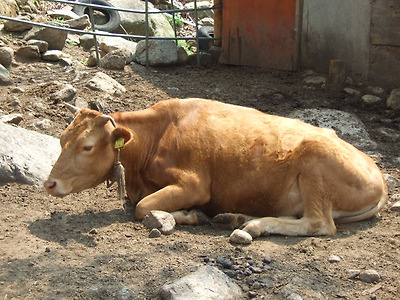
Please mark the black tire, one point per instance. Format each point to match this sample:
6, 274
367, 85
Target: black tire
113, 17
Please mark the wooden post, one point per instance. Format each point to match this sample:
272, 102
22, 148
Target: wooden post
336, 77
218, 23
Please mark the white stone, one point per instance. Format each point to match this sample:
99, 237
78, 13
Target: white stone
240, 237
370, 99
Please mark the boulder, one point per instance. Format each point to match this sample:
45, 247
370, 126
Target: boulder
15, 26
26, 156
81, 22
103, 83
110, 44
161, 53
200, 13
114, 60
54, 37
65, 14
206, 283
347, 126
134, 23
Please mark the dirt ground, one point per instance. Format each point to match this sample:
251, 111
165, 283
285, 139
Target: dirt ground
85, 246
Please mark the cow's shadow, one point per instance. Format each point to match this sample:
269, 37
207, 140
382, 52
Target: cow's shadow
62, 227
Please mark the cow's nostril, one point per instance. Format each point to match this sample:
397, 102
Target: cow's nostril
50, 184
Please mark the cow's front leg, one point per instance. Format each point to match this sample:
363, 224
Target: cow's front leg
174, 199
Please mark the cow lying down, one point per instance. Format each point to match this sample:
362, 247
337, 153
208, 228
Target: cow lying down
262, 173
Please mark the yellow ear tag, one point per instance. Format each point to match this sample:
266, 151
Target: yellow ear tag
119, 143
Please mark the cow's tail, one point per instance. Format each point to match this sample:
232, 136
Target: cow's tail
369, 213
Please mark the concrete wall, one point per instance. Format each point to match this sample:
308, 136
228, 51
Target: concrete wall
336, 29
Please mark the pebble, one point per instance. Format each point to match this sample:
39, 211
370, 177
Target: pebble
370, 99
395, 206
369, 276
154, 233
315, 79
225, 263
334, 259
93, 231
17, 90
240, 237
230, 273
352, 92
351, 274
252, 294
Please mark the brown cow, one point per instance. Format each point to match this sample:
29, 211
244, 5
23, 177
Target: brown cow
279, 175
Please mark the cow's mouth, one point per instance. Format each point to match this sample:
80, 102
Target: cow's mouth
53, 188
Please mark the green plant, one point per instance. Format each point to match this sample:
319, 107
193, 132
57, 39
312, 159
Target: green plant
185, 46
178, 19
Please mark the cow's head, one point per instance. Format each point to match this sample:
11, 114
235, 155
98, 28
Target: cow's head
88, 153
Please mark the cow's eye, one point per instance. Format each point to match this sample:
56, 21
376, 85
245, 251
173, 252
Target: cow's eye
87, 148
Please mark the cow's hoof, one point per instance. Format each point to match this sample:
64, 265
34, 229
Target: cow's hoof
239, 236
233, 220
202, 218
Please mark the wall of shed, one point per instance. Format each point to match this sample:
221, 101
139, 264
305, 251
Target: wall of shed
337, 29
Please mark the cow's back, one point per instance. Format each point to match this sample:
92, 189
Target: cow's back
248, 158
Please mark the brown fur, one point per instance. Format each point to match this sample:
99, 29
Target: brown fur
222, 158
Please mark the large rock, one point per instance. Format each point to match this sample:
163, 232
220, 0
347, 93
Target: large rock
15, 26
103, 83
26, 156
54, 37
206, 283
347, 126
135, 23
110, 44
161, 53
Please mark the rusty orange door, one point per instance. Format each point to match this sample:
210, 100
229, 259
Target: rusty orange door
259, 33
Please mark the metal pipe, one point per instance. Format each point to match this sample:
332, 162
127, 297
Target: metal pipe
96, 46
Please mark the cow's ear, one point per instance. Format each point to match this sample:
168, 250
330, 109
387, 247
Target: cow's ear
121, 136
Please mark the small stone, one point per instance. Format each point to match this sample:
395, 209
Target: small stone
252, 294
47, 249
225, 263
93, 231
369, 276
154, 233
44, 124
334, 259
66, 93
12, 119
352, 92
17, 90
267, 260
241, 237
230, 273
52, 55
161, 220
315, 80
42, 45
395, 206
351, 274
370, 99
